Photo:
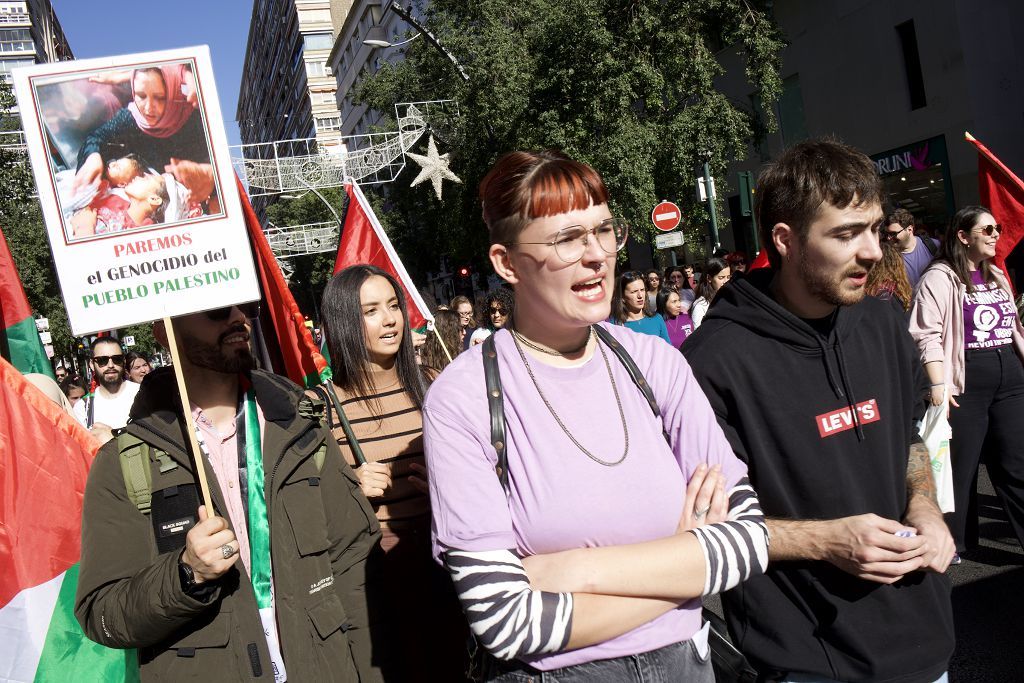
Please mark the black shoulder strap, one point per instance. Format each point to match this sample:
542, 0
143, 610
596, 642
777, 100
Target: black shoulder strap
634, 372
492, 376
90, 410
326, 392
931, 245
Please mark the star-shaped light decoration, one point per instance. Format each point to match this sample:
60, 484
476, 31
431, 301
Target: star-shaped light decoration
434, 167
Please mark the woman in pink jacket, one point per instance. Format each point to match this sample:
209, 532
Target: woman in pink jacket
972, 346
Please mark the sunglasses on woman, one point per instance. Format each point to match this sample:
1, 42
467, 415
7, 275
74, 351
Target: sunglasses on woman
989, 230
250, 310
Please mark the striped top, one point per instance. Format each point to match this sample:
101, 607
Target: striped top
389, 428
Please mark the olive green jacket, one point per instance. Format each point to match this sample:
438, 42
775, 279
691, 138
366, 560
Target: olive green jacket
321, 530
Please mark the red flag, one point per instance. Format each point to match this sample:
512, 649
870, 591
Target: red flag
1003, 193
363, 241
291, 345
760, 262
45, 463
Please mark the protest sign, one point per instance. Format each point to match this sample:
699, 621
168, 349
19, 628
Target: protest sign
141, 208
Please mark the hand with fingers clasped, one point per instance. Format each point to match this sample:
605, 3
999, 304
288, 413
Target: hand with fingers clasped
869, 547
210, 548
706, 501
374, 478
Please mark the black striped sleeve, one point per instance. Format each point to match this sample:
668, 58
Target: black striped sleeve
508, 618
736, 549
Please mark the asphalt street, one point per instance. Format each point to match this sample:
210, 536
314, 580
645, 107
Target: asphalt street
988, 600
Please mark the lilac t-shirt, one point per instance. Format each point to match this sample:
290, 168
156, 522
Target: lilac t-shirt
989, 315
560, 498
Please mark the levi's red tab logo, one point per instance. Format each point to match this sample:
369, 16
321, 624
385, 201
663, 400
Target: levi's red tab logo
842, 419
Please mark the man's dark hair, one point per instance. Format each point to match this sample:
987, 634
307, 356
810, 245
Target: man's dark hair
901, 216
792, 189
103, 340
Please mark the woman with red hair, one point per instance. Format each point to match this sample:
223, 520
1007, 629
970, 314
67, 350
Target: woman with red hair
581, 537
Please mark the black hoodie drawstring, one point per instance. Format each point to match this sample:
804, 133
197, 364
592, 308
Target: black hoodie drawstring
844, 391
851, 400
828, 367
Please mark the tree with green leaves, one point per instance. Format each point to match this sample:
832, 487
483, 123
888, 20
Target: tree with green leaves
625, 86
309, 273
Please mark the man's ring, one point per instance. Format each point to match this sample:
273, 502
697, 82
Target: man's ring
700, 513
227, 551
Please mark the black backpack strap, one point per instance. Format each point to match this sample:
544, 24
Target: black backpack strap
931, 245
326, 392
634, 372
492, 377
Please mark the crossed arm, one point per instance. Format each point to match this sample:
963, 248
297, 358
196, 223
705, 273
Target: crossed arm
579, 597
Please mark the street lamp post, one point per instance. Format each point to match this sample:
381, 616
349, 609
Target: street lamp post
409, 19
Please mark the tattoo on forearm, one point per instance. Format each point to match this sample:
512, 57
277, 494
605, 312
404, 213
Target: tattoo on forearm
920, 480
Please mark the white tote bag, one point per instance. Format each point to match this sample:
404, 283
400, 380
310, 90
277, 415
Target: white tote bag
936, 433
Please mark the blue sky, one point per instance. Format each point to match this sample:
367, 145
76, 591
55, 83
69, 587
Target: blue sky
103, 28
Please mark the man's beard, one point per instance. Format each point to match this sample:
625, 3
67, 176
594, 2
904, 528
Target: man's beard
827, 284
111, 386
214, 357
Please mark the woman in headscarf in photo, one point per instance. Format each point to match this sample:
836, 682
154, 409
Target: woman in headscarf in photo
161, 125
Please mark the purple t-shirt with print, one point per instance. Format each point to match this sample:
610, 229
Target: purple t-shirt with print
559, 497
989, 315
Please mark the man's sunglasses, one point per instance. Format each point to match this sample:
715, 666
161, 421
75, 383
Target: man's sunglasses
892, 236
988, 230
102, 361
249, 310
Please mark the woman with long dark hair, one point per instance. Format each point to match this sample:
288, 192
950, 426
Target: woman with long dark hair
631, 308
374, 406
972, 347
713, 277
677, 321
574, 538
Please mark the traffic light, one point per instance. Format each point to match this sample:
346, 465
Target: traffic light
464, 281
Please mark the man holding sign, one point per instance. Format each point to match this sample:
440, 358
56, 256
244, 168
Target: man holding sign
200, 594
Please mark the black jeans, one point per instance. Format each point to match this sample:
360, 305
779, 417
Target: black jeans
990, 419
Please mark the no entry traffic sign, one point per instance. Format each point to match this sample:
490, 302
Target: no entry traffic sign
666, 216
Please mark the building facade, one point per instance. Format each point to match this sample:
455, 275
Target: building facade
901, 81
288, 91
30, 34
354, 57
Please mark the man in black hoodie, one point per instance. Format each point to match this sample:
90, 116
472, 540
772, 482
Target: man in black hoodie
818, 389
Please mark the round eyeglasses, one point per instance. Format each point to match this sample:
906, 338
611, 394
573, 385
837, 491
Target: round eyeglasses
571, 242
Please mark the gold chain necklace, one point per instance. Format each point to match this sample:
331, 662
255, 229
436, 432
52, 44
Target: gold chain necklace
551, 352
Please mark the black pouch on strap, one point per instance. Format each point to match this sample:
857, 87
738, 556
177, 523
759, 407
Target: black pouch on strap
173, 513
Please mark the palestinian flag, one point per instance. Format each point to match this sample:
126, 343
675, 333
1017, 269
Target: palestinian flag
19, 340
363, 241
1003, 193
291, 348
46, 457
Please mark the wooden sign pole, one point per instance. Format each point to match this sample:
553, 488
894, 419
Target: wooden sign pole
190, 425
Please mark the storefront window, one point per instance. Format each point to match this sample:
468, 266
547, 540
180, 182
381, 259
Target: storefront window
916, 178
